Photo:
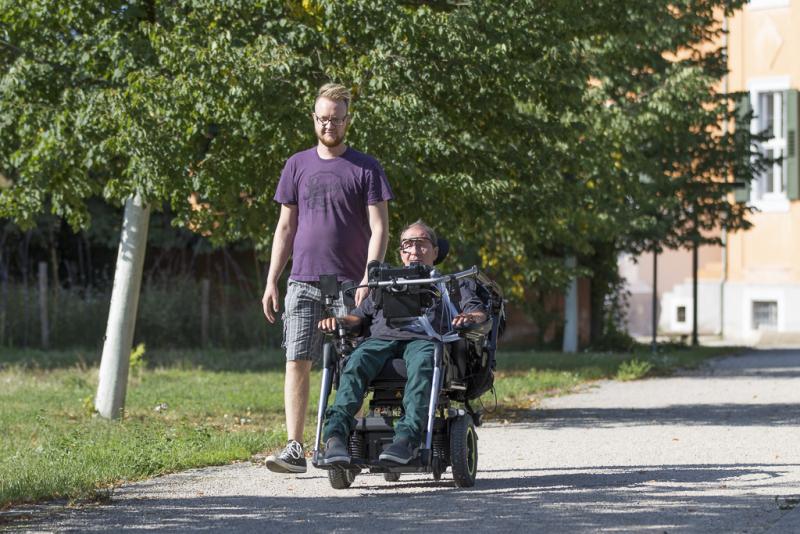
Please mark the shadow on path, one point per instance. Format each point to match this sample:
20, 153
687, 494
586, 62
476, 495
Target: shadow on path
579, 500
758, 363
730, 415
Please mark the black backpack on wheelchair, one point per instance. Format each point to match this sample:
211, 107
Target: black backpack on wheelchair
464, 364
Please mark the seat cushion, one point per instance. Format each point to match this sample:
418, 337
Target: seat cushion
393, 370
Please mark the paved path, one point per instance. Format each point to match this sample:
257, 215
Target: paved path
710, 451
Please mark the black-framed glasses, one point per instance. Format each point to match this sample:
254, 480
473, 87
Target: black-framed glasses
335, 121
423, 244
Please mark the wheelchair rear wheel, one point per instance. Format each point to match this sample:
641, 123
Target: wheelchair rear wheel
464, 451
342, 478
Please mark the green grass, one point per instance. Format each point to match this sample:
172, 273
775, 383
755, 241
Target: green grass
52, 445
194, 408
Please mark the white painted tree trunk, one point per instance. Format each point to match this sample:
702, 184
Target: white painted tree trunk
110, 400
570, 343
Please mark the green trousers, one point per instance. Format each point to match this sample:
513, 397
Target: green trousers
363, 365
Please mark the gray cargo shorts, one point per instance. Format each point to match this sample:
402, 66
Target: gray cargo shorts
303, 309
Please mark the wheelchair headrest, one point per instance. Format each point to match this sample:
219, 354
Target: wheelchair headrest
444, 248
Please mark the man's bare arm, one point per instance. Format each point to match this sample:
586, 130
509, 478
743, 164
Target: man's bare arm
378, 241
282, 244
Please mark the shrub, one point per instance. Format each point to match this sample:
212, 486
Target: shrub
633, 369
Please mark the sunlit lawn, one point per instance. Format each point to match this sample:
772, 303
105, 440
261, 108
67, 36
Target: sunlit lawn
177, 416
193, 408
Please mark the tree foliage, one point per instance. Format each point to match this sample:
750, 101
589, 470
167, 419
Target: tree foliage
521, 130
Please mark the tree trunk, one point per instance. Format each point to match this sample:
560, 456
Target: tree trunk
52, 242
3, 295
598, 288
224, 305
24, 266
654, 304
205, 306
55, 279
110, 400
695, 247
45, 327
88, 249
603, 259
570, 343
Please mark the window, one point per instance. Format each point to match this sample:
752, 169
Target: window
681, 314
765, 315
769, 113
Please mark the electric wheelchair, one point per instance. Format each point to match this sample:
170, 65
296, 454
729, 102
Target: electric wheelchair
464, 362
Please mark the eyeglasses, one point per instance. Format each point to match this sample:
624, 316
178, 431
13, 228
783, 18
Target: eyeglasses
423, 244
335, 121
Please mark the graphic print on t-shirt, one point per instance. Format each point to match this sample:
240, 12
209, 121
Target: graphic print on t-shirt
323, 187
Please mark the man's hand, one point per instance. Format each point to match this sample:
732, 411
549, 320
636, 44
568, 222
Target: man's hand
270, 302
328, 324
464, 319
361, 294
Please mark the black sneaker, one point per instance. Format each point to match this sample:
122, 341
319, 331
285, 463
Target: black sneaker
399, 452
290, 460
336, 452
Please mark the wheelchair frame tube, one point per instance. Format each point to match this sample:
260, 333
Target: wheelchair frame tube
472, 271
325, 389
435, 386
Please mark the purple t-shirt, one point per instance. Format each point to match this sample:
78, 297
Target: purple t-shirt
332, 223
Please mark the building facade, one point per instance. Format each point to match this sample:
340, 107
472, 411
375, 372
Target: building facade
748, 289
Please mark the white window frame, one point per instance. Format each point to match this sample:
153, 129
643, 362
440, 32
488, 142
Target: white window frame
758, 5
775, 201
754, 294
685, 326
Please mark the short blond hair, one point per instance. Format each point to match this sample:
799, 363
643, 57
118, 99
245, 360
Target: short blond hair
335, 92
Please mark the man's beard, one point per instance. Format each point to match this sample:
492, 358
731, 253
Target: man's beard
338, 139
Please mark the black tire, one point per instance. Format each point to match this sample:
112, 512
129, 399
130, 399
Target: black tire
341, 478
391, 477
464, 451
439, 467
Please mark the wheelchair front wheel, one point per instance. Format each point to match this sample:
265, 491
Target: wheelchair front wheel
464, 451
342, 478
391, 477
439, 467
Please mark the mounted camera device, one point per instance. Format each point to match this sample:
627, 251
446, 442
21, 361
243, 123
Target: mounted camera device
394, 295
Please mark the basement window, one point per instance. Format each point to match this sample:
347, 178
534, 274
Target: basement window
765, 315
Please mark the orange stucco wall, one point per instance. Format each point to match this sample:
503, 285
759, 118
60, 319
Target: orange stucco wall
770, 251
765, 43
762, 43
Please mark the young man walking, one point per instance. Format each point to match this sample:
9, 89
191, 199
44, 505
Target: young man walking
334, 219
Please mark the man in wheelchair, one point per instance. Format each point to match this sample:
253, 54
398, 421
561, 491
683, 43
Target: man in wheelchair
409, 338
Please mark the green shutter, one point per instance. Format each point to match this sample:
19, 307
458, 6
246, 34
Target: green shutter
742, 194
791, 157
